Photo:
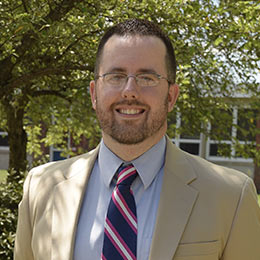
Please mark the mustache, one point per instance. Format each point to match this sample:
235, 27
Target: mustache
130, 103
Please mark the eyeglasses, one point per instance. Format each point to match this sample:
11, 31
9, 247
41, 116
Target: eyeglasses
116, 79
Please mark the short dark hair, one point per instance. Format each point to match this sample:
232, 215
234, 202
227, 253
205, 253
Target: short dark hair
142, 28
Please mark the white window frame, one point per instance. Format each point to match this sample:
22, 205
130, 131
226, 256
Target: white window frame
229, 142
177, 140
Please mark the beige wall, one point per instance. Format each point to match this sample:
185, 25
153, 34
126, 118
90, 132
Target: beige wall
245, 167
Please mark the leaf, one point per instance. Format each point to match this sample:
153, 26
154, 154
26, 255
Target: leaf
218, 41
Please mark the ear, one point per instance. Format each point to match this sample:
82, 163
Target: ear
172, 96
92, 89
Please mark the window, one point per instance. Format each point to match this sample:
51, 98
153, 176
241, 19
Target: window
245, 120
220, 149
3, 139
229, 139
57, 156
192, 148
222, 145
220, 131
189, 141
191, 133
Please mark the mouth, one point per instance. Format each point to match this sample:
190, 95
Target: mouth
132, 111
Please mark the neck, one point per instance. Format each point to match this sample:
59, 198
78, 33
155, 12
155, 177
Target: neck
130, 152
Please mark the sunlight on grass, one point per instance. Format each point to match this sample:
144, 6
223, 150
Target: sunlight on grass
3, 175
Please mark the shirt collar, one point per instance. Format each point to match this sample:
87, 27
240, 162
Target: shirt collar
147, 165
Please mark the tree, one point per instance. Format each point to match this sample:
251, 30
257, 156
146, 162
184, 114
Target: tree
47, 52
47, 59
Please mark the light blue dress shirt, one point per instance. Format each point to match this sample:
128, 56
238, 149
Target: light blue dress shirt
146, 189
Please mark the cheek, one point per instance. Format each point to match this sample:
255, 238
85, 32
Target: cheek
106, 97
155, 99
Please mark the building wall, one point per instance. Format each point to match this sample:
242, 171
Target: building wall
4, 158
245, 167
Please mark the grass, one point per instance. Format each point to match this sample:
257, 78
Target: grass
259, 199
2, 175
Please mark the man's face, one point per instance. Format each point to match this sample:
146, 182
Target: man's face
130, 113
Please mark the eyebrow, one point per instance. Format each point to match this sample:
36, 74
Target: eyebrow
118, 69
147, 71
138, 72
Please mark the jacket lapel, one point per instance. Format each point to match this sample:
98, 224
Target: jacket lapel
176, 202
67, 198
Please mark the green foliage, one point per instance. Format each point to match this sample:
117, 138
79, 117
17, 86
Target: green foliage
47, 56
11, 194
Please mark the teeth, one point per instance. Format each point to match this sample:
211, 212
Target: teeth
129, 111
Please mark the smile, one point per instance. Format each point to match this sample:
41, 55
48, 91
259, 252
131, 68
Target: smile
130, 111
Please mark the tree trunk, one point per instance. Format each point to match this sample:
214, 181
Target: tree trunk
17, 140
257, 164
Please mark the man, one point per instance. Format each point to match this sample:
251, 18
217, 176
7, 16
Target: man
177, 206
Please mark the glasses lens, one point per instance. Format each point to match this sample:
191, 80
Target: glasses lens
115, 79
147, 80
142, 80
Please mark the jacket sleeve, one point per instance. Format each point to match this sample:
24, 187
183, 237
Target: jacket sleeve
23, 249
244, 236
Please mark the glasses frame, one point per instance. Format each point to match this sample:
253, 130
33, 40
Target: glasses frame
135, 77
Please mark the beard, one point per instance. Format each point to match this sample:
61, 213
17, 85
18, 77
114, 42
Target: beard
129, 132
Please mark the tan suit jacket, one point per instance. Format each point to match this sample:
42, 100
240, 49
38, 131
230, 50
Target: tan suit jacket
206, 212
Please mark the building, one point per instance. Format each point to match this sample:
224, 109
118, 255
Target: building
198, 144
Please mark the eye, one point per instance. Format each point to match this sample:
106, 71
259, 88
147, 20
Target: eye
147, 79
115, 77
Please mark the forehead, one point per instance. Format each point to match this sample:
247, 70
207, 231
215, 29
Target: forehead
133, 53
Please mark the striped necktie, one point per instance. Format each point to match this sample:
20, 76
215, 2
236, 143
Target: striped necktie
120, 233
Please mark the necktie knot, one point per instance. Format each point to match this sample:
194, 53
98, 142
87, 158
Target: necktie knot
126, 175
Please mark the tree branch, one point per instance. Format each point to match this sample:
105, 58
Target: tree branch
62, 9
47, 72
46, 92
75, 42
25, 7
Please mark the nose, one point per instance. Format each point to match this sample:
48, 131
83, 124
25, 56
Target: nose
130, 90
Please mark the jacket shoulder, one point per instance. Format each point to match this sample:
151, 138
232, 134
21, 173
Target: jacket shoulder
64, 168
44, 177
218, 173
199, 172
